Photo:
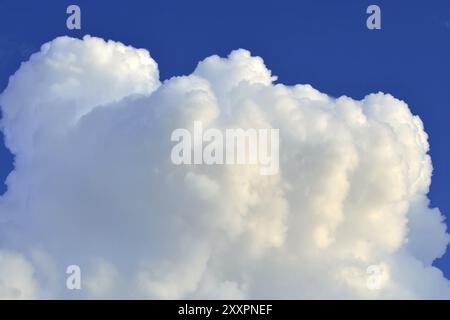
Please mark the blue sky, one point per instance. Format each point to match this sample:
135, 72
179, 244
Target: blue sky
323, 43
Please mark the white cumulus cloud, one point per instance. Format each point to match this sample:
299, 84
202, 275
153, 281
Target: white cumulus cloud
89, 123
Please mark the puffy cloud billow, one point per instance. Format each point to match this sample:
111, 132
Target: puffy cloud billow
89, 123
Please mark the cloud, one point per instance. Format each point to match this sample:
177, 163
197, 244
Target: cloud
16, 277
89, 124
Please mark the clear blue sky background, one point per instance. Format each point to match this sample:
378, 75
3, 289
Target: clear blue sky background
321, 42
